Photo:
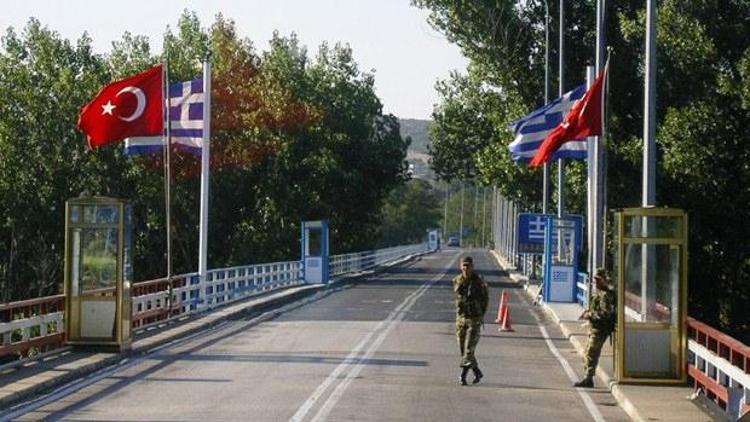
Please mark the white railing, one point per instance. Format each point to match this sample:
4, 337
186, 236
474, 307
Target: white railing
228, 285
40, 324
362, 261
27, 329
719, 365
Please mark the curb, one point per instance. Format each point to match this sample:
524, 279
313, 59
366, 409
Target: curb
622, 400
111, 359
601, 375
209, 317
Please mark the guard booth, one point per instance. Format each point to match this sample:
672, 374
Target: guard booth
315, 251
98, 273
433, 240
562, 246
651, 274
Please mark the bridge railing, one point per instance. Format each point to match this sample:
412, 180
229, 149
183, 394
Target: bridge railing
35, 323
35, 326
720, 366
362, 261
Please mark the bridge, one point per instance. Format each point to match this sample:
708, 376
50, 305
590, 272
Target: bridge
376, 343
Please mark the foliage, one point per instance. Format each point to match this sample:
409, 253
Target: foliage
702, 103
408, 212
43, 159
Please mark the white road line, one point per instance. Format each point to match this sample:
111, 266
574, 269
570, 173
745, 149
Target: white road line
326, 407
587, 400
79, 384
357, 363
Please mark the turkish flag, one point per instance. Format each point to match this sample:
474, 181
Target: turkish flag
583, 120
127, 108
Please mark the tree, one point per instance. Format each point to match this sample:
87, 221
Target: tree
43, 162
293, 139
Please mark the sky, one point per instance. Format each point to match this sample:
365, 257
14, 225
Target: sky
390, 37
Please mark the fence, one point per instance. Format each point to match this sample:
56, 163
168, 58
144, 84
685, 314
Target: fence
31, 328
361, 261
720, 366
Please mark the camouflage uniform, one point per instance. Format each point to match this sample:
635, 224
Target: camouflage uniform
602, 314
471, 297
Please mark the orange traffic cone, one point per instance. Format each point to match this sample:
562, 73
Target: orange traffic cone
506, 320
503, 305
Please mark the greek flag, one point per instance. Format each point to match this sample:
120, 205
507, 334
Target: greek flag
185, 120
531, 129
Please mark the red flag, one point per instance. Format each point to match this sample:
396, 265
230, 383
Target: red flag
126, 108
583, 120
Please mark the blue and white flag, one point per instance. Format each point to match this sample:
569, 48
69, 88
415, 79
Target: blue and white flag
186, 121
531, 129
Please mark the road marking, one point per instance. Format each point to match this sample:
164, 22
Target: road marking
585, 397
383, 328
82, 383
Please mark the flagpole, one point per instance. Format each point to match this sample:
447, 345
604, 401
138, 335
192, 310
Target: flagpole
545, 172
649, 112
461, 219
591, 209
648, 252
596, 164
205, 171
561, 88
168, 182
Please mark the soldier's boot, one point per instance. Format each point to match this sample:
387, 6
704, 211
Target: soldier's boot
464, 371
477, 375
587, 382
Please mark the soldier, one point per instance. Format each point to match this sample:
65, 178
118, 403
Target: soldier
471, 295
602, 315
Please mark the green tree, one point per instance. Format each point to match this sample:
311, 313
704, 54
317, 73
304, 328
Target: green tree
43, 160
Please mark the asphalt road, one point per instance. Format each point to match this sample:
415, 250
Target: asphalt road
380, 349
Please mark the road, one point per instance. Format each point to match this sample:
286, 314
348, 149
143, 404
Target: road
380, 349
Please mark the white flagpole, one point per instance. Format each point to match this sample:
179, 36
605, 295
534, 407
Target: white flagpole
167, 184
561, 88
205, 171
167, 171
591, 163
600, 191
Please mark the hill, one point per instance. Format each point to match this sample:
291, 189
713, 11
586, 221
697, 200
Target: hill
417, 154
419, 130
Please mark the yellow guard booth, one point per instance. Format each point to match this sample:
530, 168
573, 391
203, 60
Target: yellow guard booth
98, 273
651, 271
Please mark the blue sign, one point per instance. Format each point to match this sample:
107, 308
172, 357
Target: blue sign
531, 232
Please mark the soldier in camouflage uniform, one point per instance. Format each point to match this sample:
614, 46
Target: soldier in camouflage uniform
471, 295
602, 315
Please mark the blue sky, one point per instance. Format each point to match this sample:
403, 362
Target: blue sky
390, 37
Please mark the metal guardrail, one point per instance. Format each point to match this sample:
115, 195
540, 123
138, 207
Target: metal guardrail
34, 327
362, 261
